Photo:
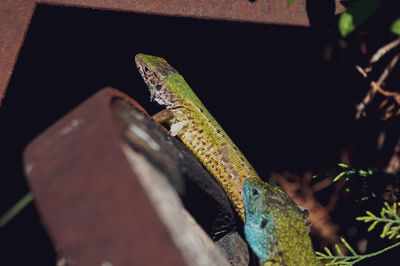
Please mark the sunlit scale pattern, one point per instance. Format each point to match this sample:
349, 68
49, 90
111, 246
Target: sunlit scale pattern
294, 242
215, 150
200, 132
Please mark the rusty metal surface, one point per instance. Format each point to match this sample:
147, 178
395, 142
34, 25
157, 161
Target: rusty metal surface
260, 11
88, 196
15, 16
14, 20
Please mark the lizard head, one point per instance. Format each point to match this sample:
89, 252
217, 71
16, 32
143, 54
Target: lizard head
260, 221
263, 197
272, 218
155, 72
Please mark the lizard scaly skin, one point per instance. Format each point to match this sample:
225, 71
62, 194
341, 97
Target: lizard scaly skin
285, 234
275, 227
199, 130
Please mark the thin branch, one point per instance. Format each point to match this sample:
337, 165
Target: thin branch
383, 50
365, 102
324, 183
378, 55
388, 69
376, 86
362, 71
392, 94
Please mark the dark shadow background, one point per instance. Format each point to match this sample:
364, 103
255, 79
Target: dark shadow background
286, 103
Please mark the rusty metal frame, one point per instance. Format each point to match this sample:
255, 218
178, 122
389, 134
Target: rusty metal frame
88, 188
87, 194
15, 16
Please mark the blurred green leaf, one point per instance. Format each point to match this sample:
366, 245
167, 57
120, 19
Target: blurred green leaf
356, 14
290, 2
15, 209
339, 176
346, 24
395, 28
362, 172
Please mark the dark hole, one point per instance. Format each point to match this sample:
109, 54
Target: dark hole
158, 87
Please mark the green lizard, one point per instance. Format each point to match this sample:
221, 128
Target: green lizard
274, 225
197, 129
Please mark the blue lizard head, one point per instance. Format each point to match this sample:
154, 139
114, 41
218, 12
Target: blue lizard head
259, 227
274, 227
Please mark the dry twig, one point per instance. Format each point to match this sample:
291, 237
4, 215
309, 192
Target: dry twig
376, 87
383, 50
362, 71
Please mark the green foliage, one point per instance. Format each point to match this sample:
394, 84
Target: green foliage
341, 259
343, 170
15, 209
346, 24
388, 216
362, 181
356, 14
347, 171
363, 184
395, 28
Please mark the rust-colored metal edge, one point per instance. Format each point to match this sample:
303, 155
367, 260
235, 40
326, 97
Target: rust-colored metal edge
87, 194
15, 16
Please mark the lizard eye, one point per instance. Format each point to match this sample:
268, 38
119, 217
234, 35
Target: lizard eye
158, 87
255, 192
264, 223
146, 70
